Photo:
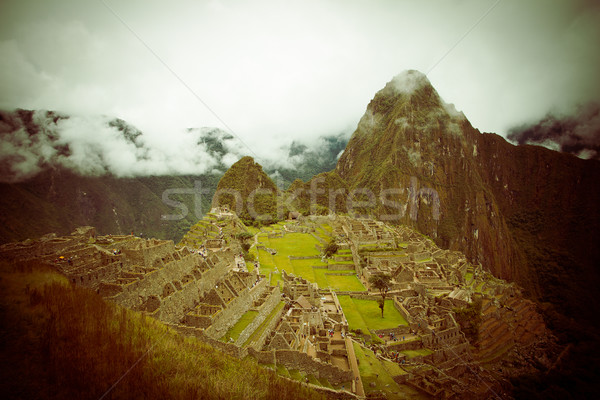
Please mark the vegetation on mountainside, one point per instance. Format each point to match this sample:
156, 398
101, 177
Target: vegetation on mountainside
247, 190
325, 193
469, 319
59, 201
63, 341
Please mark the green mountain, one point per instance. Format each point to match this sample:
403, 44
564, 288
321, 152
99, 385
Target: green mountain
246, 189
59, 200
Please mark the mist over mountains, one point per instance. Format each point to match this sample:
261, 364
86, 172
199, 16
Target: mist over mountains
578, 134
33, 141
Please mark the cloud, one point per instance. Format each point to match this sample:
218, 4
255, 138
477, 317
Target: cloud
578, 134
98, 145
271, 73
31, 141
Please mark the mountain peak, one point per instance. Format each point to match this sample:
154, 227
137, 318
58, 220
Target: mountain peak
246, 189
408, 82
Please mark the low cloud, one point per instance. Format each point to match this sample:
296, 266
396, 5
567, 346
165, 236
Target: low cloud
93, 146
31, 141
578, 134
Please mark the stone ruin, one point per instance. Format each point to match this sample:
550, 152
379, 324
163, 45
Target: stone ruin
427, 285
203, 291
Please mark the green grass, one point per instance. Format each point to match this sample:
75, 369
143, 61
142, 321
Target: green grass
235, 331
366, 314
253, 230
378, 372
296, 375
326, 279
327, 228
415, 353
292, 244
295, 244
275, 278
303, 245
323, 234
304, 268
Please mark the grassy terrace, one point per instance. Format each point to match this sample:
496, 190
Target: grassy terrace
235, 331
415, 353
379, 372
366, 314
341, 283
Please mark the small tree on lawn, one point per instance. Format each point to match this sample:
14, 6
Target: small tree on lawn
382, 283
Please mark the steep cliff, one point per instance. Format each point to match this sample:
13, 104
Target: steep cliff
411, 141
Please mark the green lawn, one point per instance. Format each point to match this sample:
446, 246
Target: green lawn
302, 245
304, 268
295, 244
326, 279
366, 314
292, 244
235, 331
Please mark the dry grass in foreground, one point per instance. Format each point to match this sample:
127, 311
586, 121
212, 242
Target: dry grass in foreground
60, 341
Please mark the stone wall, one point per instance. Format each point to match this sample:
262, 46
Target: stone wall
148, 251
448, 337
303, 362
260, 341
234, 310
403, 311
228, 348
263, 357
340, 267
263, 312
406, 345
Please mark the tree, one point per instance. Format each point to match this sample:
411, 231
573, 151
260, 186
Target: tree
330, 249
381, 282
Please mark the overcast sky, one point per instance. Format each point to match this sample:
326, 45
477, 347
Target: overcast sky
272, 71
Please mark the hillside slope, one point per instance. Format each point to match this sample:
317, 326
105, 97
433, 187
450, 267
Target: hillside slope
59, 200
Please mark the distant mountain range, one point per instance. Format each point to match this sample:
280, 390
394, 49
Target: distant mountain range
58, 172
